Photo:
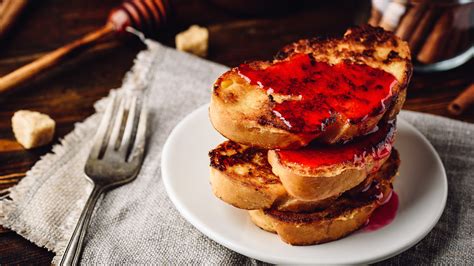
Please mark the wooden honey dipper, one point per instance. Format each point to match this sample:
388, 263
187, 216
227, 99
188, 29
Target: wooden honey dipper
146, 16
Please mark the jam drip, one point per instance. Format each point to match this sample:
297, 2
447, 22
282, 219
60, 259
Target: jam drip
384, 214
384, 196
315, 92
378, 144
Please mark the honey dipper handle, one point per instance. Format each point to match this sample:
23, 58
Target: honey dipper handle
54, 58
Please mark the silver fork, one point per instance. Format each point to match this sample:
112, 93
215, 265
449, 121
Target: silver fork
115, 159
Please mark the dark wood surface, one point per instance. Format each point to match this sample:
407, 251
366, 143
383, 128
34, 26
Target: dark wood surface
67, 94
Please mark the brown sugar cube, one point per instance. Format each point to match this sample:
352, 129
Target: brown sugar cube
194, 40
32, 129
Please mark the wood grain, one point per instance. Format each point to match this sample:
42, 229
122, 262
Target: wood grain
54, 58
10, 11
68, 94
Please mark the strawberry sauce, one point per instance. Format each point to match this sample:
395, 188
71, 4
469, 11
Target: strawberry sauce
384, 214
319, 91
378, 144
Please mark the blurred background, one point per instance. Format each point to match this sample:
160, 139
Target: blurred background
440, 35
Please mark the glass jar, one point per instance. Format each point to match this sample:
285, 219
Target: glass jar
439, 33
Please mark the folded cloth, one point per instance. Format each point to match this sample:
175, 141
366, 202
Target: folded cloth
451, 241
137, 223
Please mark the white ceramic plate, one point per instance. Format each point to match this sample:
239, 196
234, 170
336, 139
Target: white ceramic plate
421, 187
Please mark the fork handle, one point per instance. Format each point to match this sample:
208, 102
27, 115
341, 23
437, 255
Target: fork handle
74, 248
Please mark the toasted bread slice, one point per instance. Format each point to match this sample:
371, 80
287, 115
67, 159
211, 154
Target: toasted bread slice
318, 172
246, 106
241, 176
345, 215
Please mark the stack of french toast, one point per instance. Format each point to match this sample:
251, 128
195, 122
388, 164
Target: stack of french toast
310, 152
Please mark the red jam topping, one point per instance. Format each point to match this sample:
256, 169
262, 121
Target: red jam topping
384, 214
320, 91
378, 144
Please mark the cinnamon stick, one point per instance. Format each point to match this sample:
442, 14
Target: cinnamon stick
422, 29
463, 101
432, 49
410, 21
10, 10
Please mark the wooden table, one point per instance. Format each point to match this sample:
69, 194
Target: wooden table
68, 94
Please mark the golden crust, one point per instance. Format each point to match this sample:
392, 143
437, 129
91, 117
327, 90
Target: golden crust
243, 113
321, 186
317, 183
345, 215
241, 176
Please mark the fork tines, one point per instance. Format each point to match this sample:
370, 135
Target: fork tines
122, 128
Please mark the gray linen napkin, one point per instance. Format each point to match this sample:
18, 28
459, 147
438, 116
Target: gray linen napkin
451, 242
138, 224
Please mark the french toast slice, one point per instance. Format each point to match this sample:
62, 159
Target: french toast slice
345, 215
318, 171
327, 90
242, 176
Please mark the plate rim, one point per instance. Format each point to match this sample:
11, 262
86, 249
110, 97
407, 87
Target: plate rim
187, 214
